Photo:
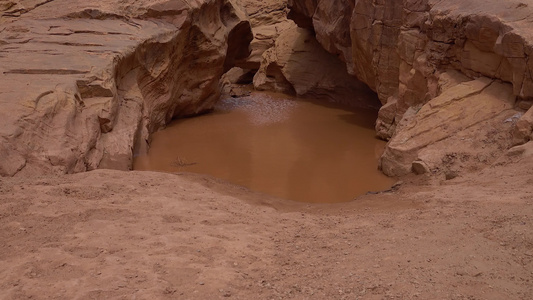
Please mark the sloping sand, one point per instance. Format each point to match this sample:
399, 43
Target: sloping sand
143, 235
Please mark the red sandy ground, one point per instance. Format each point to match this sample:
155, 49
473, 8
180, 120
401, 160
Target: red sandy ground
141, 235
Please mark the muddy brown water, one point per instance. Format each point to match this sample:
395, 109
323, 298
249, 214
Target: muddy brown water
300, 150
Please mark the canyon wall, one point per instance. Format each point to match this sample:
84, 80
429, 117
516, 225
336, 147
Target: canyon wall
443, 70
288, 59
268, 20
297, 64
83, 84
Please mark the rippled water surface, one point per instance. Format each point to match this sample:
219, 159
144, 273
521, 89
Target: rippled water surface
293, 149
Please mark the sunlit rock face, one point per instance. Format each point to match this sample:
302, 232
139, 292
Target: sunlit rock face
411, 52
268, 19
83, 84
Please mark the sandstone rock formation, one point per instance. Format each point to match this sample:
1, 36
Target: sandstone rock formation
268, 20
83, 84
465, 122
402, 51
298, 64
523, 131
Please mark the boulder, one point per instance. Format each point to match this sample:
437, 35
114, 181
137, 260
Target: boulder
523, 131
236, 83
451, 125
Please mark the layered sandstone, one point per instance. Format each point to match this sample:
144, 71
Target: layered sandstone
405, 52
467, 124
297, 64
268, 20
82, 85
288, 59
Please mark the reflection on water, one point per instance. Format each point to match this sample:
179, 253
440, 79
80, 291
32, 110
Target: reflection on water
288, 148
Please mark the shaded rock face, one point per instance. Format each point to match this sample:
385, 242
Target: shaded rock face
416, 53
297, 64
288, 59
82, 85
268, 20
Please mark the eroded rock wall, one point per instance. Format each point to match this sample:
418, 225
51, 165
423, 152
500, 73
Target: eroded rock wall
82, 85
268, 20
411, 52
297, 64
